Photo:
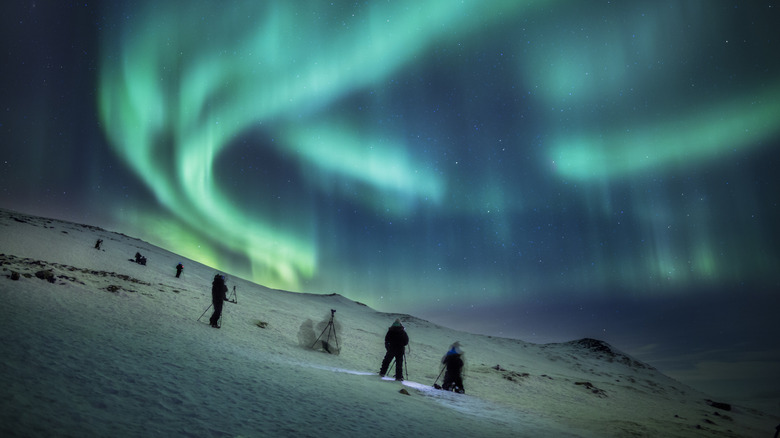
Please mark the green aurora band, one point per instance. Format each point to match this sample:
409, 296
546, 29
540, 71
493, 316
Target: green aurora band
700, 135
179, 85
174, 98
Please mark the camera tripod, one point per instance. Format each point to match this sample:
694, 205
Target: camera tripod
331, 330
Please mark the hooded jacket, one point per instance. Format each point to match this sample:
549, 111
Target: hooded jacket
396, 337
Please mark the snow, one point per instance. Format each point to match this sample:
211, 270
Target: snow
113, 348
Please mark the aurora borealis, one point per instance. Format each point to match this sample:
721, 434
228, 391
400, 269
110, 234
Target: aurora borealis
458, 160
180, 86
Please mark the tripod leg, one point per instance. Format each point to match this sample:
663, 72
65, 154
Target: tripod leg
323, 332
437, 377
204, 312
332, 330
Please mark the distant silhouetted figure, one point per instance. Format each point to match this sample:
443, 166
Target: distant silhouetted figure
97, 244
396, 340
777, 430
179, 268
453, 374
218, 297
141, 260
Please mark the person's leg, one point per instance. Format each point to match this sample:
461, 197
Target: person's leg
399, 365
217, 313
385, 363
459, 385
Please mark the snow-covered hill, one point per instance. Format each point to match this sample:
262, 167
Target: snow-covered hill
97, 345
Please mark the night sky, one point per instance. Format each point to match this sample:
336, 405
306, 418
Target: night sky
545, 170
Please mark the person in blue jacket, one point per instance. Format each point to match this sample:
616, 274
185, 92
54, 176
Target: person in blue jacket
453, 374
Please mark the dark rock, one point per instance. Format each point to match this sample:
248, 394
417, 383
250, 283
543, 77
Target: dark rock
593, 389
46, 275
719, 405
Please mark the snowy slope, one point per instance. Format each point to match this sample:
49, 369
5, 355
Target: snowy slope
113, 348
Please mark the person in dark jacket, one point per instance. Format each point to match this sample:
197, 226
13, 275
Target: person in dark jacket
396, 340
218, 297
453, 374
179, 268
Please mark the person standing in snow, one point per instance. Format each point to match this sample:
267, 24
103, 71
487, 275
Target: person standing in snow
453, 363
179, 268
97, 244
396, 340
218, 297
